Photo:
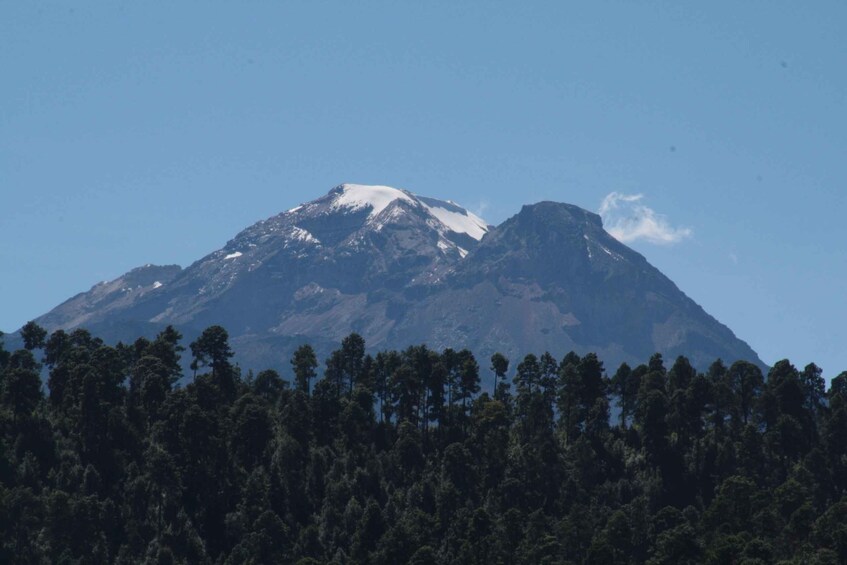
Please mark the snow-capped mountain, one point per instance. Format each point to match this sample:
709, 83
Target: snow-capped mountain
400, 269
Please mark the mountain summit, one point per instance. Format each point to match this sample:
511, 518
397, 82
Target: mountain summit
552, 279
401, 269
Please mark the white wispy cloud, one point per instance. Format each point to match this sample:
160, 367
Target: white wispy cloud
627, 219
481, 208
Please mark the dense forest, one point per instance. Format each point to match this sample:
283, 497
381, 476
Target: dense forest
401, 458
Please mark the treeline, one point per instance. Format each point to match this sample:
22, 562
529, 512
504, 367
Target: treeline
399, 458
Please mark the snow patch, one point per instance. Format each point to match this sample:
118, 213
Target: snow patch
589, 243
157, 284
294, 209
385, 218
302, 235
445, 245
234, 255
460, 222
299, 234
611, 254
377, 198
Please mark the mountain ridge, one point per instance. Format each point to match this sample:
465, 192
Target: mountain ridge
399, 269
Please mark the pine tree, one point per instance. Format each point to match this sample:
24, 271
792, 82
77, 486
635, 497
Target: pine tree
304, 362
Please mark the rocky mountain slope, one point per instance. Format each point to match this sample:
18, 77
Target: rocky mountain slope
401, 269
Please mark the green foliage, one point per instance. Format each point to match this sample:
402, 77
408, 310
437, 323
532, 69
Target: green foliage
402, 458
304, 363
33, 336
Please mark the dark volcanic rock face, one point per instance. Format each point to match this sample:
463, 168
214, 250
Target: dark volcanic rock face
551, 279
402, 269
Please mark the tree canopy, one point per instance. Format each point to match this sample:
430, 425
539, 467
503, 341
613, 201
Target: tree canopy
413, 456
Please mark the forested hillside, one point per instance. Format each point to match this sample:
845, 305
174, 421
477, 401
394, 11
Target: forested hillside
400, 458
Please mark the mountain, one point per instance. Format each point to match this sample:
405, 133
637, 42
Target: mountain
401, 269
552, 279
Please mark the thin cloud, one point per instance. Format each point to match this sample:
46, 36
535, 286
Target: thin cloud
628, 220
481, 208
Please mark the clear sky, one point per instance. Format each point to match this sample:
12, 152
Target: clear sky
152, 132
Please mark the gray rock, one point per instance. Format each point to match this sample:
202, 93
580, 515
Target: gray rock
401, 269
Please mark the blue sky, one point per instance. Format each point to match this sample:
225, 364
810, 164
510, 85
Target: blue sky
135, 133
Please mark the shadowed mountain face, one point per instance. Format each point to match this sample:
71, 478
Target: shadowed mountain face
551, 279
401, 269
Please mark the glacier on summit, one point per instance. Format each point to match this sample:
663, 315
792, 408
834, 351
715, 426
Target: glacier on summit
445, 215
